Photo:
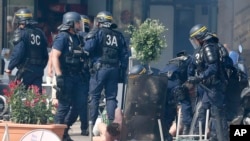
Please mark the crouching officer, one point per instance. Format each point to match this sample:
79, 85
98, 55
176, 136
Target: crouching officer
67, 60
108, 53
29, 54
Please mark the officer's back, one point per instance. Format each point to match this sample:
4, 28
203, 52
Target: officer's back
109, 58
30, 54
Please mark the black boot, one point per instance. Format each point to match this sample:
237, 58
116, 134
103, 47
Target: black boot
85, 132
66, 136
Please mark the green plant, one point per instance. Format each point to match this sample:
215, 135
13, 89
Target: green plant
147, 40
28, 105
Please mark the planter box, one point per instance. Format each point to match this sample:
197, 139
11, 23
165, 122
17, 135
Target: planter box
17, 131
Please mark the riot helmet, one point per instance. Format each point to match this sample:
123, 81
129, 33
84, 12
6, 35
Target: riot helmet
85, 23
69, 20
137, 70
70, 17
104, 16
24, 16
197, 35
105, 19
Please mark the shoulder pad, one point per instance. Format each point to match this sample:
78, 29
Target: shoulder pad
91, 33
211, 53
17, 37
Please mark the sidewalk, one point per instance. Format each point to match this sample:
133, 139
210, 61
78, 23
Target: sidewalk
75, 133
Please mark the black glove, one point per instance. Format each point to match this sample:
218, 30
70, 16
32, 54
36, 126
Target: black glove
122, 75
60, 82
194, 79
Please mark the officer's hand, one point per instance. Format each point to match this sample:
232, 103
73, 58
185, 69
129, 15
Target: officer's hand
55, 102
8, 72
60, 81
122, 75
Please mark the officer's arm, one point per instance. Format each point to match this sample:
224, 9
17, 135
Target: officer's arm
18, 50
211, 70
211, 57
55, 54
124, 53
191, 68
49, 66
91, 41
16, 56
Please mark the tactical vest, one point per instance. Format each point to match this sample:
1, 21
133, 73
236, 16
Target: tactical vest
199, 60
35, 47
72, 61
110, 47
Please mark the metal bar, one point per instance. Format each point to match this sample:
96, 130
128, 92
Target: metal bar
206, 125
160, 129
178, 124
200, 130
90, 130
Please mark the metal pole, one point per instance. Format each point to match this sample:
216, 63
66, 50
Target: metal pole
90, 130
206, 126
178, 124
160, 128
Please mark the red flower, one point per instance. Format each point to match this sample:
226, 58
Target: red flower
28, 105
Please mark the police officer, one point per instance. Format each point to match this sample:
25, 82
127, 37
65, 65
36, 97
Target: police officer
206, 71
176, 70
73, 113
67, 60
108, 53
29, 54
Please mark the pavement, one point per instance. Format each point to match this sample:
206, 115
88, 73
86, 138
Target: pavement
75, 133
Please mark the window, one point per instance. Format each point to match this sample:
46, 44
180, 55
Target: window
9, 19
127, 12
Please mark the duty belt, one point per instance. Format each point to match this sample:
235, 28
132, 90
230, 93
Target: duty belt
36, 61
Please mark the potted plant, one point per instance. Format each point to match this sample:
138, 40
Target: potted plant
29, 109
147, 40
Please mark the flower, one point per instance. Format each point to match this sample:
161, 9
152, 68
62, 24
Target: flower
28, 105
147, 40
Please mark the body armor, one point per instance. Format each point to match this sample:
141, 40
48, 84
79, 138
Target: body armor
110, 47
144, 107
35, 44
73, 60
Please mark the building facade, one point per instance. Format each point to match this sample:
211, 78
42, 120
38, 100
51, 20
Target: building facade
225, 17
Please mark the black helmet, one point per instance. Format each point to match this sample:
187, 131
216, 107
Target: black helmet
24, 16
198, 31
104, 16
86, 22
137, 69
70, 17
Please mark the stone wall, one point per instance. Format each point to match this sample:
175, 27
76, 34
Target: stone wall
1, 23
234, 24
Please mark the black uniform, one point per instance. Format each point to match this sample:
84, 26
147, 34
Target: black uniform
29, 55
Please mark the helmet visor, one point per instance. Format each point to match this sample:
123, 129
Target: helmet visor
195, 43
85, 25
78, 25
